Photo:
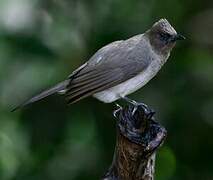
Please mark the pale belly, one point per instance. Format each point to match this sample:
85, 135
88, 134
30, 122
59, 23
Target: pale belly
129, 86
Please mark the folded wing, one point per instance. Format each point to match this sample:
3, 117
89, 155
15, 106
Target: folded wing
110, 66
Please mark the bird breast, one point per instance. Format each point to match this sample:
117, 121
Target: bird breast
131, 85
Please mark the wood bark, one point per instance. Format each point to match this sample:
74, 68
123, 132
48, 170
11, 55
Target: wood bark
138, 138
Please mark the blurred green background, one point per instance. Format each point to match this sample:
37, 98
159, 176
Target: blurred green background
42, 41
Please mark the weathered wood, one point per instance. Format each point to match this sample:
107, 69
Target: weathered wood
138, 138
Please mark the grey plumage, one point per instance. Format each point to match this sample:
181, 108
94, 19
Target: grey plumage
57, 88
119, 68
112, 68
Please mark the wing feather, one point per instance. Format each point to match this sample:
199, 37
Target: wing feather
108, 67
92, 86
85, 79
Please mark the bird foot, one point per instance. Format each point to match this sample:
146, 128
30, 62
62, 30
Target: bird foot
136, 105
119, 108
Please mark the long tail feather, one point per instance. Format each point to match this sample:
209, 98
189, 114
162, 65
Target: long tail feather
57, 88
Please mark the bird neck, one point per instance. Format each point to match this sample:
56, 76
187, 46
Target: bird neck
159, 49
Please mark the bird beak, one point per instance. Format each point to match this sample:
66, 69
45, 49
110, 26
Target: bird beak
177, 37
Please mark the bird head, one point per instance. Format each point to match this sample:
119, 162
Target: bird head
163, 36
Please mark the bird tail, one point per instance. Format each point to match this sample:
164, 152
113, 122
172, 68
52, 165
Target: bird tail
55, 89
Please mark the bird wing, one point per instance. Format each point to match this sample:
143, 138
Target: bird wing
110, 66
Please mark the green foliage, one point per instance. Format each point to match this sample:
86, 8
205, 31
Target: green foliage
165, 164
42, 41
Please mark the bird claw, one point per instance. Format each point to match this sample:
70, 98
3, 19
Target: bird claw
117, 110
136, 105
133, 102
134, 110
151, 114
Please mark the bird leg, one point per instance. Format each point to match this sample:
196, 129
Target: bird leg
134, 103
117, 110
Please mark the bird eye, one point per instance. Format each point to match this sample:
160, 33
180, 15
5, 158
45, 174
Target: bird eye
164, 36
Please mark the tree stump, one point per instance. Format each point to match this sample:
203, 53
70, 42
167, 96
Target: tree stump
138, 138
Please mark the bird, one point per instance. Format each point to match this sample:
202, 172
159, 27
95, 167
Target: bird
119, 68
